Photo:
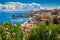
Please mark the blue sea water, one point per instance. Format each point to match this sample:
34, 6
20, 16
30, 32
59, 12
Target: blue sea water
6, 16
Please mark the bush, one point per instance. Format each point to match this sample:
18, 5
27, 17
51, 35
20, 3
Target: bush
11, 32
8, 31
55, 13
55, 21
43, 32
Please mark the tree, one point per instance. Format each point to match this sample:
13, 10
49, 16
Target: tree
55, 21
55, 13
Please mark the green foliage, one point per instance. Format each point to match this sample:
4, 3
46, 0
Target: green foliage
43, 32
55, 21
9, 31
55, 13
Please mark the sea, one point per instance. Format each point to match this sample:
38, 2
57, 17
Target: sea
7, 16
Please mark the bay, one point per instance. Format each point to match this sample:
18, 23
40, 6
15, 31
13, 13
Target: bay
6, 16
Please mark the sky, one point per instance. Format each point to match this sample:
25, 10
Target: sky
36, 3
45, 3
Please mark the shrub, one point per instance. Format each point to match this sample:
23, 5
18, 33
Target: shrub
43, 32
11, 32
55, 13
55, 21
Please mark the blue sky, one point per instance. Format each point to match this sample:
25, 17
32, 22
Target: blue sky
45, 3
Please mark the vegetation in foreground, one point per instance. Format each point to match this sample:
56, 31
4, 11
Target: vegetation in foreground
45, 32
8, 31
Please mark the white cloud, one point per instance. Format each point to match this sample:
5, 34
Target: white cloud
17, 6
